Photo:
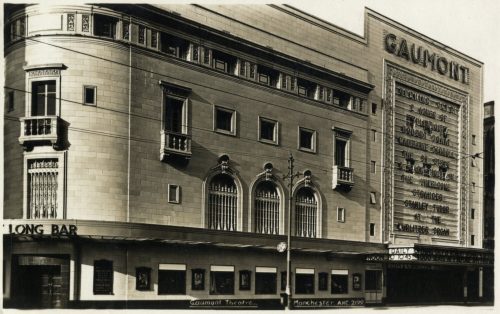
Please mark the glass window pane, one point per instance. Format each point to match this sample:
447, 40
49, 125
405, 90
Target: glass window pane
265, 283
304, 283
306, 139
51, 104
171, 282
221, 282
267, 130
223, 120
339, 284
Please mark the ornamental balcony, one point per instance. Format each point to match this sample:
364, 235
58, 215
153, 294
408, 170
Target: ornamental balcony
175, 145
343, 177
42, 130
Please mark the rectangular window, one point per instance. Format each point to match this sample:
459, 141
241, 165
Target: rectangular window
43, 98
89, 95
142, 34
374, 135
373, 197
225, 120
154, 39
105, 26
172, 279
198, 279
372, 229
174, 46
340, 214
267, 76
221, 279
472, 213
43, 182
473, 187
174, 193
472, 238
103, 277
126, 30
307, 140
245, 280
265, 280
340, 280
373, 280
10, 101
268, 130
473, 139
223, 62
304, 281
143, 278
175, 115
340, 152
323, 281
373, 166
306, 88
374, 108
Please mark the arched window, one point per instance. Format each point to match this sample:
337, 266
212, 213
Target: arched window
222, 203
306, 213
267, 208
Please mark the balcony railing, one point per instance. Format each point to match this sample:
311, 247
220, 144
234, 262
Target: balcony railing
39, 129
342, 176
173, 143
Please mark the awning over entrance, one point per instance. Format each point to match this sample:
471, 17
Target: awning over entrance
24, 229
437, 255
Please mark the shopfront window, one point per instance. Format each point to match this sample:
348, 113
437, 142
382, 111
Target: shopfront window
304, 281
265, 280
172, 279
340, 280
222, 280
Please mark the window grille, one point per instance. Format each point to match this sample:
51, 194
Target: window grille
222, 203
267, 208
42, 188
306, 211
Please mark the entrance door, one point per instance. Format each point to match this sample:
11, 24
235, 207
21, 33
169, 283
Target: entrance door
40, 286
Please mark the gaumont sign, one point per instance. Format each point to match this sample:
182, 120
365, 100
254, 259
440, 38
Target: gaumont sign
400, 47
41, 229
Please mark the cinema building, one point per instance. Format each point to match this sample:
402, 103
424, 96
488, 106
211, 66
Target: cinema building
147, 160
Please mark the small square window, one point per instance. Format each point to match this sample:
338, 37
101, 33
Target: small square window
268, 130
472, 213
89, 95
340, 214
174, 192
373, 197
374, 108
372, 229
373, 166
225, 120
10, 101
374, 135
307, 140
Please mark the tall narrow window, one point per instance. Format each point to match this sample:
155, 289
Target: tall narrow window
472, 213
43, 98
126, 30
373, 197
472, 238
340, 152
373, 166
374, 108
10, 101
473, 139
374, 135
306, 213
174, 114
340, 214
142, 34
372, 229
43, 189
222, 203
267, 208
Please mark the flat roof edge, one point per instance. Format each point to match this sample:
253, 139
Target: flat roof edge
423, 37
